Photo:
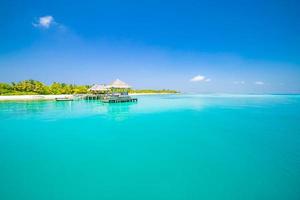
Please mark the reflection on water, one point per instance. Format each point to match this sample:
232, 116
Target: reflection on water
118, 111
52, 110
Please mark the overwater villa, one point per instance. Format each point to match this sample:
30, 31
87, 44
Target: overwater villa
115, 92
99, 89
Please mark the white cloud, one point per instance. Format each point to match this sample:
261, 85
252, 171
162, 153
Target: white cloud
200, 78
45, 22
259, 83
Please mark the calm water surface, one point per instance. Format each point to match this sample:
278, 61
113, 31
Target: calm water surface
163, 147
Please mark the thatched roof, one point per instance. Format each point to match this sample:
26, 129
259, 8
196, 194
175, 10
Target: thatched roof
119, 84
96, 87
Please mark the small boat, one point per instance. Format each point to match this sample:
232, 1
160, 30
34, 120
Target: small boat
64, 99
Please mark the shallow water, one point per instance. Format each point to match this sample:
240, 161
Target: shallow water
163, 147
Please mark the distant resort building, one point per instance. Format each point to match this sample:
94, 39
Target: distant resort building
118, 84
115, 85
99, 89
115, 92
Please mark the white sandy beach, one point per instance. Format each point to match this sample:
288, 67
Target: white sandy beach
32, 97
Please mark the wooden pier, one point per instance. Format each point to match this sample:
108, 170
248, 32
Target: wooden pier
93, 97
108, 99
119, 100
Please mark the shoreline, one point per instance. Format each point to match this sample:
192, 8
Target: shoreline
150, 93
52, 97
33, 97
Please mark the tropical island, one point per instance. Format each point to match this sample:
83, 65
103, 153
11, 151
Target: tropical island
33, 87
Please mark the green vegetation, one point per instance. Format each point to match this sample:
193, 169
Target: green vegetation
31, 87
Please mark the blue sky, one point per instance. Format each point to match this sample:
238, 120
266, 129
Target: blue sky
192, 45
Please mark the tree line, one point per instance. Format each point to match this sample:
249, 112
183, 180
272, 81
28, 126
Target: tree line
37, 87
32, 87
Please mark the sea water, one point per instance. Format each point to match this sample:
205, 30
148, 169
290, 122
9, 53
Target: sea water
231, 147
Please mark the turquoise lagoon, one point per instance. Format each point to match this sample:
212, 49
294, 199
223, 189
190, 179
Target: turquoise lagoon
231, 147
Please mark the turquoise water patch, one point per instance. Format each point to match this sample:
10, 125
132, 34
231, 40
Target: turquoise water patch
163, 147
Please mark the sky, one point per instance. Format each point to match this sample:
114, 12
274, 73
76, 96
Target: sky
237, 46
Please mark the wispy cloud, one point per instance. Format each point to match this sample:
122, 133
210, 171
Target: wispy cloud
200, 78
44, 22
259, 83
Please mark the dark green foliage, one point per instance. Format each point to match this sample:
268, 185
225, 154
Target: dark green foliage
5, 88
